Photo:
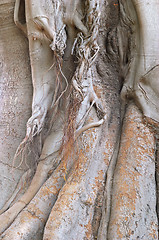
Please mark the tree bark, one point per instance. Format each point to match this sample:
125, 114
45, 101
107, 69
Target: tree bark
87, 160
16, 95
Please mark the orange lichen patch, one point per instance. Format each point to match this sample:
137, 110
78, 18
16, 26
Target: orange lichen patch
47, 190
153, 234
36, 213
100, 175
83, 155
20, 234
27, 216
126, 218
69, 194
108, 150
137, 143
31, 215
68, 151
63, 212
74, 190
80, 167
98, 181
119, 233
35, 210
75, 199
106, 158
98, 91
88, 228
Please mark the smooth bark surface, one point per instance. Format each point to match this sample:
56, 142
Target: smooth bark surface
15, 98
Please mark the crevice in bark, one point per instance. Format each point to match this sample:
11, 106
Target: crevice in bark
157, 180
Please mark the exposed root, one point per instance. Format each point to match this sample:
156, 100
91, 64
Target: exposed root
36, 122
106, 209
38, 210
39, 178
86, 48
73, 212
21, 148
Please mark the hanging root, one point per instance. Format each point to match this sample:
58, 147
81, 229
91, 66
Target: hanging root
86, 49
36, 122
88, 126
85, 44
20, 150
50, 159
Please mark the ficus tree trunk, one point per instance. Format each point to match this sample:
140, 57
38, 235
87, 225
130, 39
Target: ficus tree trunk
79, 119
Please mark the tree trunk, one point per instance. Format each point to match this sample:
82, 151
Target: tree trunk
87, 159
16, 94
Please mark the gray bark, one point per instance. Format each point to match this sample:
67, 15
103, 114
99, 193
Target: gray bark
15, 97
89, 151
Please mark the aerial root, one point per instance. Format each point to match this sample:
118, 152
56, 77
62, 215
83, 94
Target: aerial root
86, 127
77, 88
90, 99
38, 210
106, 208
36, 122
41, 174
34, 127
